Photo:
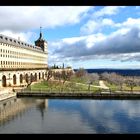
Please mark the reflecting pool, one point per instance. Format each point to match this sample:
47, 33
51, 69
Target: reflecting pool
32, 115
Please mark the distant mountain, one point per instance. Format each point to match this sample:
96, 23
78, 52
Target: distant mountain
125, 72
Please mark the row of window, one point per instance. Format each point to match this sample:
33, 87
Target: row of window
17, 42
14, 54
11, 64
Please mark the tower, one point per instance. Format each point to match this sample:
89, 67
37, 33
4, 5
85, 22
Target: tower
41, 42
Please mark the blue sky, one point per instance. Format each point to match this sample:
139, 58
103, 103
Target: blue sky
79, 36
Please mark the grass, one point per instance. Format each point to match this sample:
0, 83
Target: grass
114, 87
43, 85
58, 86
137, 88
78, 80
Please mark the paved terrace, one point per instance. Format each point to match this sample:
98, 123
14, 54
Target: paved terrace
6, 93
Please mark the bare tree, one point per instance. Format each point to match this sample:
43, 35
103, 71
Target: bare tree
114, 78
65, 75
80, 73
105, 76
95, 77
49, 74
120, 81
91, 78
57, 75
131, 82
117, 80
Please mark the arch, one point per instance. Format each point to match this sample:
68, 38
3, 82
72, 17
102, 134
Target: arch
35, 76
32, 78
42, 75
21, 78
4, 81
45, 74
39, 75
14, 80
26, 78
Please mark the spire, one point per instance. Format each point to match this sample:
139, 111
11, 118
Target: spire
40, 33
40, 40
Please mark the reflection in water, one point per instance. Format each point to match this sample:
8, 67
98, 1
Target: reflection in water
69, 116
11, 108
42, 105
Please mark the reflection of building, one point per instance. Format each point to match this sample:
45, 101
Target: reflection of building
13, 107
20, 62
42, 105
42, 102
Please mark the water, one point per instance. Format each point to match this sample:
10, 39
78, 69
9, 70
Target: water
32, 115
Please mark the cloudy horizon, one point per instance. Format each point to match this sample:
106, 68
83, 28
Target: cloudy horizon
79, 36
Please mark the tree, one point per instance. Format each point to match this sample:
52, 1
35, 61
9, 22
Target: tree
116, 79
49, 74
130, 82
105, 76
91, 78
119, 80
80, 73
57, 75
65, 75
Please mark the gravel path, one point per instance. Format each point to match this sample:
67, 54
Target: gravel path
101, 85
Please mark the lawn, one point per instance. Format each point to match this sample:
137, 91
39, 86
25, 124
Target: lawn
114, 87
58, 86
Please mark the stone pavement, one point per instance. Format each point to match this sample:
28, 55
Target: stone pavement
6, 93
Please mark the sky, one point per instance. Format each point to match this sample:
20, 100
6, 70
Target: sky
79, 36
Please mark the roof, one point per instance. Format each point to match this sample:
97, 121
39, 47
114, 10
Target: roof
40, 39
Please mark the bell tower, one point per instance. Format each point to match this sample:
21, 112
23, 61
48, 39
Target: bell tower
41, 42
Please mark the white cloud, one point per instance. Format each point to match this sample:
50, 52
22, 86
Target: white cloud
108, 10
91, 40
16, 21
72, 40
23, 36
97, 21
116, 46
130, 22
90, 27
121, 31
97, 25
21, 18
107, 21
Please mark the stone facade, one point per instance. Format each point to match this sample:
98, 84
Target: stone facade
20, 62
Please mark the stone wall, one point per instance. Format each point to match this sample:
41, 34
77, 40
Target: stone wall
19, 78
